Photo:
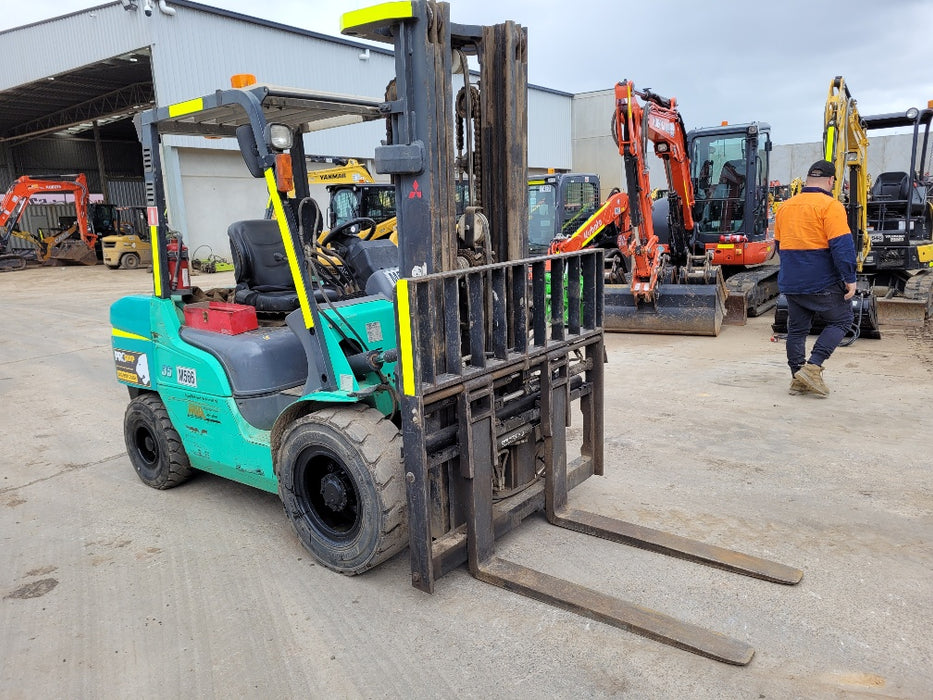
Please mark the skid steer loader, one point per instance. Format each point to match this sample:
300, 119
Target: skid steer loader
409, 399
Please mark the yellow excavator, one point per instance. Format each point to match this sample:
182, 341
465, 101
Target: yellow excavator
845, 145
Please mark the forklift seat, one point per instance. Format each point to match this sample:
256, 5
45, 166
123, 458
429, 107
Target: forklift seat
263, 278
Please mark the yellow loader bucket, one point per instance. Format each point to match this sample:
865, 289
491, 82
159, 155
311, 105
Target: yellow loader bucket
680, 309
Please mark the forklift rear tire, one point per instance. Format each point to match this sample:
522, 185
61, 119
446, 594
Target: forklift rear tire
130, 261
341, 481
153, 444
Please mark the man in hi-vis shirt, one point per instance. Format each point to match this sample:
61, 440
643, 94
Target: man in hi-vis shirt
817, 275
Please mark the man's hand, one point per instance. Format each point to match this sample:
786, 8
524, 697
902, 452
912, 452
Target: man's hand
850, 290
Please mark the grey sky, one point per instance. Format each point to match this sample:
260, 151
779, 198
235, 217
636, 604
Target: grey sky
733, 61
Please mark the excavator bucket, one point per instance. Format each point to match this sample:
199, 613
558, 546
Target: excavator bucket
679, 309
70, 251
901, 311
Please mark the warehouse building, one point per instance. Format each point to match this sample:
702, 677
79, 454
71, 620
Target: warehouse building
71, 111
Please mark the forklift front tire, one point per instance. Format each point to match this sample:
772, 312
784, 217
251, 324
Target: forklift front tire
153, 445
342, 484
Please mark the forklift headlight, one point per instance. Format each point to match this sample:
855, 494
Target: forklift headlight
912, 113
279, 137
752, 130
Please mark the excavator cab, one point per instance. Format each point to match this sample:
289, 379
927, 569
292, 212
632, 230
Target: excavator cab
729, 168
558, 205
730, 172
899, 216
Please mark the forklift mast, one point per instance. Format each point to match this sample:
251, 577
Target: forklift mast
497, 360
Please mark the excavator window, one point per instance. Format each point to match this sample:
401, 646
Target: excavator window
718, 169
378, 203
581, 200
541, 205
344, 207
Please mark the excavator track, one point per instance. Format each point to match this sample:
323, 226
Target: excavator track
12, 262
751, 293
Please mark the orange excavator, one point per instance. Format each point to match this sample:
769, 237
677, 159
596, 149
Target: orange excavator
670, 290
60, 246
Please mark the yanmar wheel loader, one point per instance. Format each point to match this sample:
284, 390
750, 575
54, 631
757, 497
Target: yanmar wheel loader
407, 398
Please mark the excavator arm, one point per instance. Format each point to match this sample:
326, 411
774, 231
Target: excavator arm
24, 188
615, 211
845, 144
634, 125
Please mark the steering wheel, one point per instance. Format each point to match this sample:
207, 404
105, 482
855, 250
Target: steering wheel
353, 227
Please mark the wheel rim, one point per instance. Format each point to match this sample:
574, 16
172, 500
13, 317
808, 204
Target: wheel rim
146, 446
328, 489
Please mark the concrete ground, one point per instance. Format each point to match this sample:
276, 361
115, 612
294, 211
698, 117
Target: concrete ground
110, 589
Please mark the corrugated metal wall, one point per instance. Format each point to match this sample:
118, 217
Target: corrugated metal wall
58, 45
196, 51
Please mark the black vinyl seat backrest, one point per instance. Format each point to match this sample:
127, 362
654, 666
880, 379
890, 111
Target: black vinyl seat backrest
892, 185
263, 278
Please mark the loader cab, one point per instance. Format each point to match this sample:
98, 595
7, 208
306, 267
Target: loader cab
729, 168
558, 205
372, 201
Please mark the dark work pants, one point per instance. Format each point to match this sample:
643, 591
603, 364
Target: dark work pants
836, 312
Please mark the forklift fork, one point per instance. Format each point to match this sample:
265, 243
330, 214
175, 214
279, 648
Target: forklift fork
564, 354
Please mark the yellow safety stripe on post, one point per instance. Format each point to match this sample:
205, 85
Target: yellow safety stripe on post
156, 268
187, 107
289, 248
830, 141
358, 19
404, 331
117, 333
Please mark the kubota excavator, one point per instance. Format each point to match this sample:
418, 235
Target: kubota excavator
670, 290
729, 167
58, 247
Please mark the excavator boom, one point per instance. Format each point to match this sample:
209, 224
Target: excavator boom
671, 291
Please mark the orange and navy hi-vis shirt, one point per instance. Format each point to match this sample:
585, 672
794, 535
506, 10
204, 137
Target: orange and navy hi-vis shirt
817, 252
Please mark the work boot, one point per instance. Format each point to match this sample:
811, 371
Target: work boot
797, 387
812, 376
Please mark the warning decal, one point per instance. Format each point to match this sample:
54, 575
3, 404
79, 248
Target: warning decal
132, 367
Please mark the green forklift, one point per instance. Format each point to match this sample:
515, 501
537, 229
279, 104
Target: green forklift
398, 398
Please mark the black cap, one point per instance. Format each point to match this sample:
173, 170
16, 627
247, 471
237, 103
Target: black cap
822, 168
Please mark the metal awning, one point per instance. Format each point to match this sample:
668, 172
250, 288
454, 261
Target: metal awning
220, 113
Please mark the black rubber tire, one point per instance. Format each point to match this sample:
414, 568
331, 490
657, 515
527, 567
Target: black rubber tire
130, 261
153, 445
341, 481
